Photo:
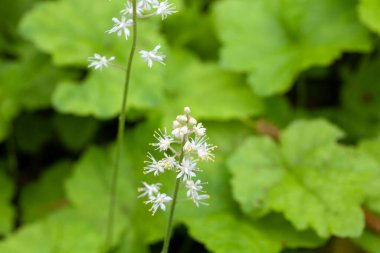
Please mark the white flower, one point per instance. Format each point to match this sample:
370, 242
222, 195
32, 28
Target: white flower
182, 119
180, 132
164, 140
198, 199
128, 9
201, 147
199, 130
204, 151
148, 189
98, 62
176, 124
153, 166
187, 169
152, 56
182, 148
121, 26
147, 4
164, 9
169, 162
194, 188
158, 201
189, 147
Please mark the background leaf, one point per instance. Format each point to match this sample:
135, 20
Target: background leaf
368, 10
273, 64
281, 182
6, 210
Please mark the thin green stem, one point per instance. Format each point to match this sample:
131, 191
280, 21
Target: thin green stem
120, 135
165, 248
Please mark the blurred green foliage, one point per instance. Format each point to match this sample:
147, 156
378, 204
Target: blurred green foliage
288, 91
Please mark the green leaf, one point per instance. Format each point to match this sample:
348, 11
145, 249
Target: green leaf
30, 90
6, 209
369, 14
75, 132
320, 185
186, 28
318, 134
359, 91
217, 222
372, 148
91, 177
132, 243
45, 195
369, 241
32, 132
282, 231
65, 231
10, 15
203, 85
258, 160
100, 94
272, 41
278, 110
223, 233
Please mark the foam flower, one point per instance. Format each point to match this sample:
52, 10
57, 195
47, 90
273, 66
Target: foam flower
152, 56
98, 61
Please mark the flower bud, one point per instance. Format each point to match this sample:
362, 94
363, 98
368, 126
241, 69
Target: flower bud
192, 121
176, 124
181, 118
177, 132
187, 110
183, 131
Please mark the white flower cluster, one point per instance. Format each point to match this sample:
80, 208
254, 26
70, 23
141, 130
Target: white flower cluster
182, 149
144, 9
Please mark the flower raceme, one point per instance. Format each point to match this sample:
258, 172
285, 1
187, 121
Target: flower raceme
144, 9
126, 26
183, 148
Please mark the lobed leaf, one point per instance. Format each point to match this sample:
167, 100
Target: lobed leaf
66, 231
223, 233
203, 85
320, 186
30, 90
272, 40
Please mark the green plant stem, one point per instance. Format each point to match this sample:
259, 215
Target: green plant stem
120, 134
165, 248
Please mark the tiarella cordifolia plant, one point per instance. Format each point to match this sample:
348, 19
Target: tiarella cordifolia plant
182, 149
132, 11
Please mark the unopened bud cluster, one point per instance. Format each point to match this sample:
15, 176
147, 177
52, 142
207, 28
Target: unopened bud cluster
182, 148
144, 9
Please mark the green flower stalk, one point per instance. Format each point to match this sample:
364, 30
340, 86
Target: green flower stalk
182, 149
